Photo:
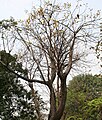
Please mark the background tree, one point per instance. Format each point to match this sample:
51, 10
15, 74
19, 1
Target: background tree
84, 98
16, 103
93, 109
51, 41
99, 46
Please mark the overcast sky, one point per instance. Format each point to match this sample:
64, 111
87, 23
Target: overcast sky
16, 8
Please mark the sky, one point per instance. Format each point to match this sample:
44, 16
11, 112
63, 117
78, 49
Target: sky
17, 8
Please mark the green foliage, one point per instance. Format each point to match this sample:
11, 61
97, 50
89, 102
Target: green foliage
16, 102
84, 99
98, 47
7, 24
93, 109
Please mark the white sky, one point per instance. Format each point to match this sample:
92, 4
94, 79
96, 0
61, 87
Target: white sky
16, 8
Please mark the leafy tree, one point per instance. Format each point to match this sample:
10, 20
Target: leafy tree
84, 99
52, 41
16, 103
93, 109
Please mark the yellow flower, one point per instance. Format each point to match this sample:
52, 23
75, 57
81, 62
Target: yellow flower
40, 11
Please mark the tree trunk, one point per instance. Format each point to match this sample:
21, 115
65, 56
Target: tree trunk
52, 104
64, 115
57, 114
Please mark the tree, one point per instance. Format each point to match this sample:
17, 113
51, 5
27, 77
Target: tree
16, 103
98, 47
84, 99
52, 41
93, 109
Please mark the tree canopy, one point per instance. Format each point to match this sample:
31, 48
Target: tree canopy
84, 98
16, 102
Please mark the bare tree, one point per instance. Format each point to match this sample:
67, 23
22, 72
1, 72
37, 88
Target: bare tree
52, 41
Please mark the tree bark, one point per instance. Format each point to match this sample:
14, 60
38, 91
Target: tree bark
57, 114
64, 115
52, 104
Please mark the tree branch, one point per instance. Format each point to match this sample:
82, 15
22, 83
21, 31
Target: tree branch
22, 77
